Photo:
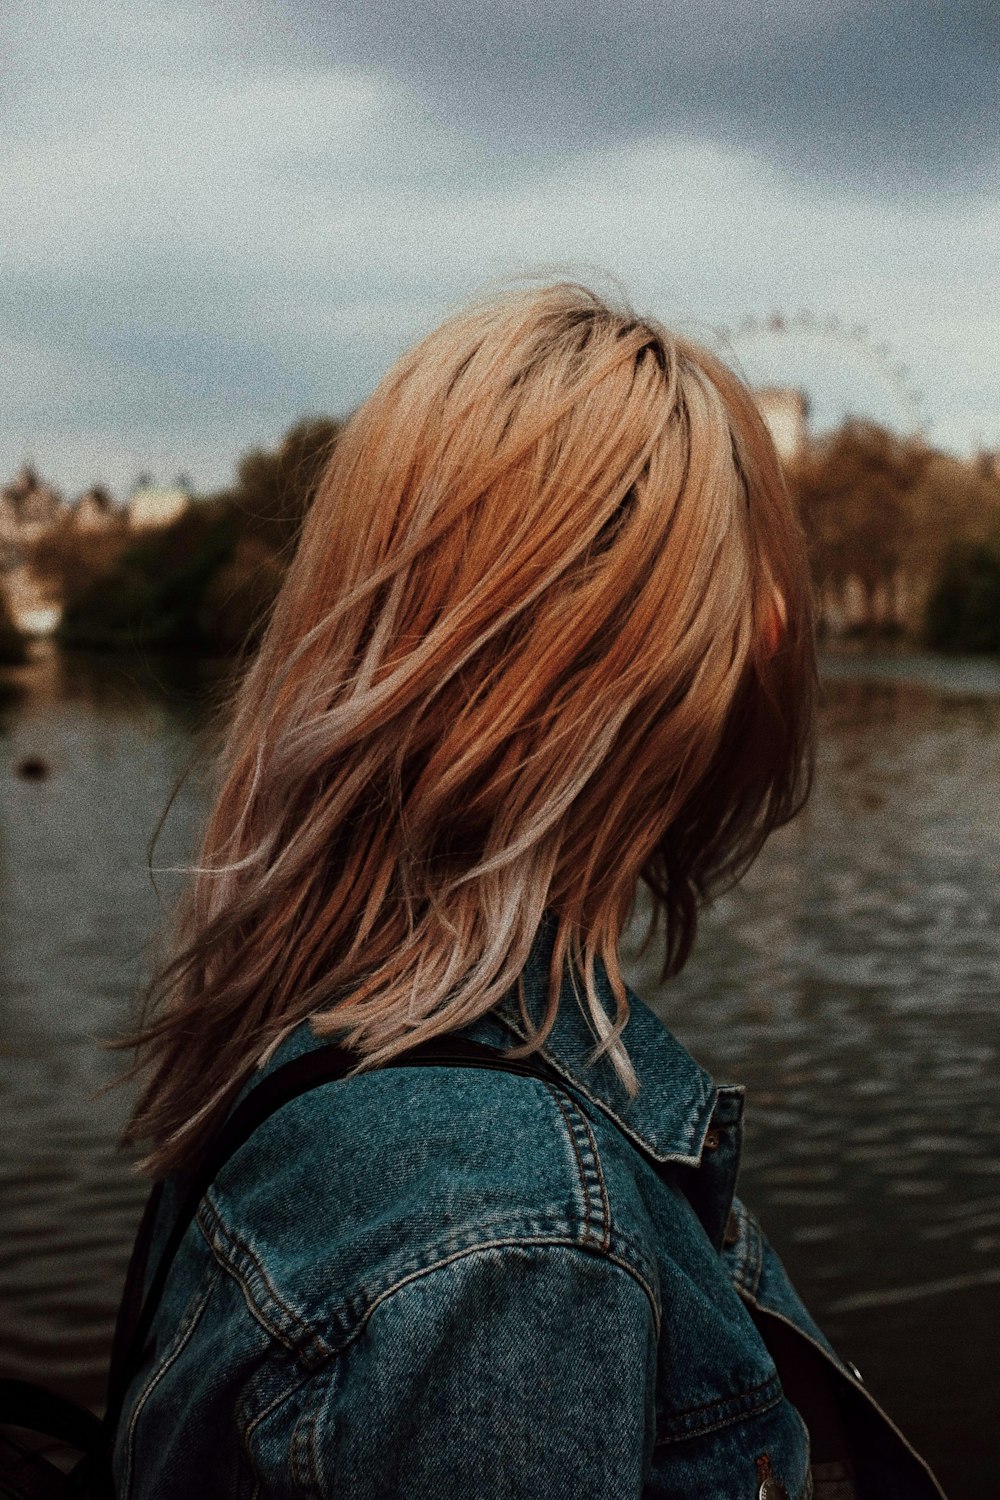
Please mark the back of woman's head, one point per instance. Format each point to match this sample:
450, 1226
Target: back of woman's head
547, 633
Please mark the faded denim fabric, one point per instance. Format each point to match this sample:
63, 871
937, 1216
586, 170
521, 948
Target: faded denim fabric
439, 1282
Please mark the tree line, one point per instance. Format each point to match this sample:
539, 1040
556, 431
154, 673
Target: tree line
909, 534
203, 584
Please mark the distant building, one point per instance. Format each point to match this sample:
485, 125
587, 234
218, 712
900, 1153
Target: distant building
988, 463
786, 413
94, 509
152, 506
27, 506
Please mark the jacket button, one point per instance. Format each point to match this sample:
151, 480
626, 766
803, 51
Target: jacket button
772, 1489
713, 1140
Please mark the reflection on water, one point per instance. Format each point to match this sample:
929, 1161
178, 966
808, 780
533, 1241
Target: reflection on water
849, 982
77, 910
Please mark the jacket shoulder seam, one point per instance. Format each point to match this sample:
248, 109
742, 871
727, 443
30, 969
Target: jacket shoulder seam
597, 1209
519, 1243
315, 1334
279, 1319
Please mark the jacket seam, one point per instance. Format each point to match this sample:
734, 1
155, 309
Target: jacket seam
304, 1445
623, 1248
706, 1093
727, 1421
296, 1442
601, 1186
751, 1390
518, 1243
220, 1237
247, 1425
758, 1256
579, 1164
637, 1275
348, 1315
739, 1395
749, 1266
589, 1181
183, 1337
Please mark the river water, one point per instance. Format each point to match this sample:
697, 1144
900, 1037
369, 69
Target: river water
849, 982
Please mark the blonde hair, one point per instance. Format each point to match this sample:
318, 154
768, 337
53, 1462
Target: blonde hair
526, 654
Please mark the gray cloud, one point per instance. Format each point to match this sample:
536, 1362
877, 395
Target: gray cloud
218, 219
893, 93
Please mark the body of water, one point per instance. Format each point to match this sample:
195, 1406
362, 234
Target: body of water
849, 982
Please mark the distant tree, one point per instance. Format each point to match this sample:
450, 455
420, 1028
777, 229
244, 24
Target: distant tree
152, 598
274, 486
853, 492
236, 600
963, 611
954, 500
205, 583
13, 647
70, 560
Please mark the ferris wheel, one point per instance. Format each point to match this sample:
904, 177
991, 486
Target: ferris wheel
856, 346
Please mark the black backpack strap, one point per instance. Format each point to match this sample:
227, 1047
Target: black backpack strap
33, 1407
324, 1064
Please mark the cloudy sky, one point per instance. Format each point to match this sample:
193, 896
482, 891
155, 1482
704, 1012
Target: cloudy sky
218, 215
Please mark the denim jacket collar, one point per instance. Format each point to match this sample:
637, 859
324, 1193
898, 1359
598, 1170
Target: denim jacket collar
670, 1115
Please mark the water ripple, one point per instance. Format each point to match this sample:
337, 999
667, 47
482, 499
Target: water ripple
849, 982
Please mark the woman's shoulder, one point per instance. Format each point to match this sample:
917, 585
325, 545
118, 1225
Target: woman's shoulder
358, 1186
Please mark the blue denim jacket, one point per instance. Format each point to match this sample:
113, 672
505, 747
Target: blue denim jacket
441, 1282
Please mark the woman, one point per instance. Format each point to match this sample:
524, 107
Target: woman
547, 635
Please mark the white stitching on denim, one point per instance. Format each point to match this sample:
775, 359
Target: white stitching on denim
623, 1248
601, 1185
637, 1275
237, 1240
520, 1243
220, 1251
325, 1379
508, 1244
356, 1304
301, 1443
749, 1256
309, 1422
